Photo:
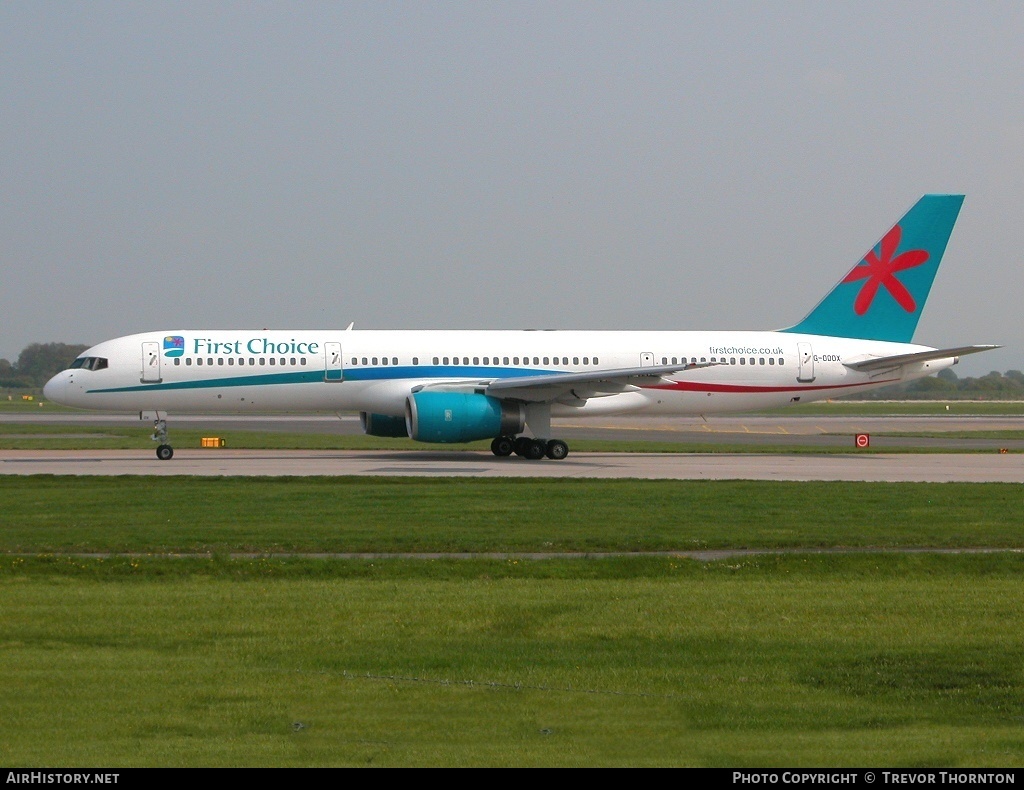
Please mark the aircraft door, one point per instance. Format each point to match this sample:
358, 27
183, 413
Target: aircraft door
333, 369
806, 362
150, 362
646, 359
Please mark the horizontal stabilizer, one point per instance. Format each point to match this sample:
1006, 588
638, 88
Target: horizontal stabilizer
879, 363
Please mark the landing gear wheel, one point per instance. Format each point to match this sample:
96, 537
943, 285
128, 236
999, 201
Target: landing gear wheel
521, 445
165, 452
535, 450
502, 446
557, 450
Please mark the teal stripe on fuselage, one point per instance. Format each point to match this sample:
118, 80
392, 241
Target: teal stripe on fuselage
352, 374
304, 377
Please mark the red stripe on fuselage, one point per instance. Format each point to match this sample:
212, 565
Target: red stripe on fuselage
693, 386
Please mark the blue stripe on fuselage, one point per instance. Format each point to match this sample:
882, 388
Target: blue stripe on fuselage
350, 374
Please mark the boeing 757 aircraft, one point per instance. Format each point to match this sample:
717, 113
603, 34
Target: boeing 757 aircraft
461, 386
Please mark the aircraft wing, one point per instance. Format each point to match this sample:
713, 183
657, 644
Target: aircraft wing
869, 363
572, 386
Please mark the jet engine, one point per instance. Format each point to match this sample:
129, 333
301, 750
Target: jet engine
383, 425
451, 417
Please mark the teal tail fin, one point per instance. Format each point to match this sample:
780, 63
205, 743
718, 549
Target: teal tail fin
882, 297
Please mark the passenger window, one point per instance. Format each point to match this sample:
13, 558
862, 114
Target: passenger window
272, 361
732, 360
504, 360
782, 360
199, 360
252, 360
263, 361
476, 360
771, 360
374, 360
743, 360
292, 362
177, 360
415, 360
575, 360
394, 360
586, 360
435, 360
231, 361
465, 360
220, 360
384, 360
302, 360
188, 362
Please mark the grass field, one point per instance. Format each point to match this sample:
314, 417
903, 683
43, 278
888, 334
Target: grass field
864, 658
336, 514
877, 660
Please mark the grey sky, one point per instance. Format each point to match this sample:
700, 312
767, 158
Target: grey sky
713, 165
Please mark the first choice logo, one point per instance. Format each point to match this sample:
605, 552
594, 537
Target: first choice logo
255, 345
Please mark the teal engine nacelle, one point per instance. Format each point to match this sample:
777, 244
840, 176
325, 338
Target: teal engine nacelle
451, 417
383, 425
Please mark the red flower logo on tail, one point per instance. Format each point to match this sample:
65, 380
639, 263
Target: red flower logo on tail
882, 271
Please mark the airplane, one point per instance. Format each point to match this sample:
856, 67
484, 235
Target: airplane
463, 385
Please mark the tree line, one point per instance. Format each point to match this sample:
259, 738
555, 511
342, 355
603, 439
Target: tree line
36, 364
946, 385
39, 361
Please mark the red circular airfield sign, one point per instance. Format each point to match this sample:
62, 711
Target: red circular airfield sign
863, 440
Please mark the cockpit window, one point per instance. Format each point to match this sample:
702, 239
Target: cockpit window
90, 363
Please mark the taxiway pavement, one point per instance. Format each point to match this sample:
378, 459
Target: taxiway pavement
894, 467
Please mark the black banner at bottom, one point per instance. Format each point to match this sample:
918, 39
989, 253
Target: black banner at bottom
726, 777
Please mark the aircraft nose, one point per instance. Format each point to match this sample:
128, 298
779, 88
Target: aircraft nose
54, 389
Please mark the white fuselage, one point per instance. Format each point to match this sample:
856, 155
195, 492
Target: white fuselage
205, 371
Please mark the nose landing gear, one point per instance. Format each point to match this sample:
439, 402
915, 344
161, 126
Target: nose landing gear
164, 451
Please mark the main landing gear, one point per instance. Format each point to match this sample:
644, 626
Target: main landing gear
164, 451
531, 449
